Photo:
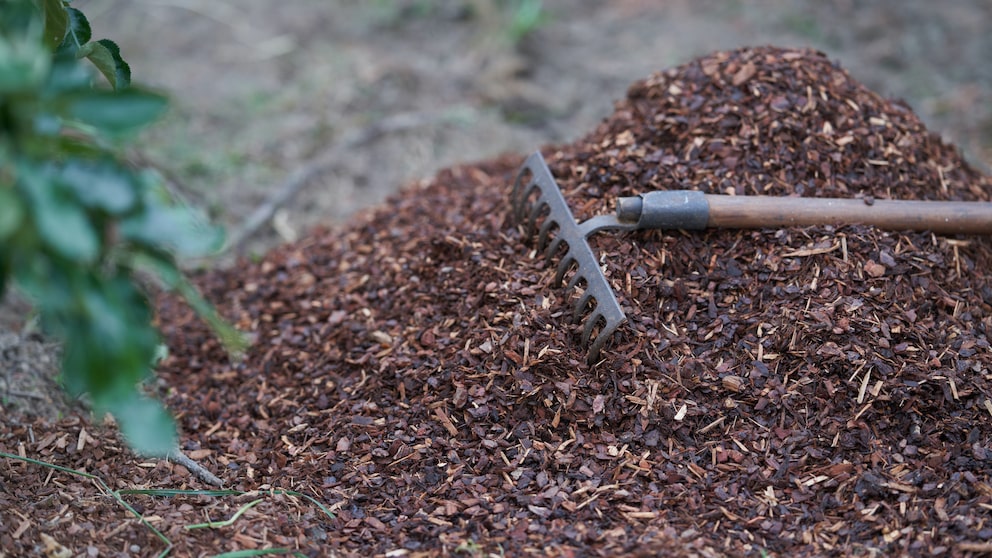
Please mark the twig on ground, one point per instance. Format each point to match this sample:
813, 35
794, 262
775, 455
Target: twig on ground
304, 174
179, 458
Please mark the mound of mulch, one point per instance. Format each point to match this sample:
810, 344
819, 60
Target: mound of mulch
819, 390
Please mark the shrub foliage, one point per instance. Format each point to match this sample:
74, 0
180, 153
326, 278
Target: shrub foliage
81, 230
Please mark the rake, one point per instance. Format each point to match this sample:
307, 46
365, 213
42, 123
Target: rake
539, 208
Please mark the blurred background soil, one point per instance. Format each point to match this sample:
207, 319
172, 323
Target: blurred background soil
260, 88
364, 96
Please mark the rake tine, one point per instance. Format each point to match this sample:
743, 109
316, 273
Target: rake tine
581, 305
574, 281
563, 266
517, 196
542, 238
535, 212
520, 194
589, 326
553, 249
601, 339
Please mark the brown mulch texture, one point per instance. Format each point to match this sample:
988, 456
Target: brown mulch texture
814, 391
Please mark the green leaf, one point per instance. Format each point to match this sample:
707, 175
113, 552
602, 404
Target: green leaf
119, 318
11, 213
48, 285
145, 424
117, 113
176, 228
109, 344
106, 56
159, 265
163, 268
78, 32
18, 17
66, 228
234, 341
67, 75
104, 185
24, 61
56, 22
62, 223
80, 147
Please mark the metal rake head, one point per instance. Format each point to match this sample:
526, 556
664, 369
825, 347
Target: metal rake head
540, 208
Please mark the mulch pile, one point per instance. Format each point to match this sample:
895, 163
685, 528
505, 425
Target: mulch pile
823, 390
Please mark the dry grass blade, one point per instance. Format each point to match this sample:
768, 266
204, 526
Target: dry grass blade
227, 522
105, 489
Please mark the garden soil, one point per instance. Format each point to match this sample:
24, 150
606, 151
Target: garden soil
416, 387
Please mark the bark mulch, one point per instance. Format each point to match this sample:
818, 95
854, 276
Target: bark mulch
804, 391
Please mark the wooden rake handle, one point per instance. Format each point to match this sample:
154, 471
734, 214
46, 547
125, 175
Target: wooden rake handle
692, 210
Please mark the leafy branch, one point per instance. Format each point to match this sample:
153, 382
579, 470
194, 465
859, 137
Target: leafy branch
79, 226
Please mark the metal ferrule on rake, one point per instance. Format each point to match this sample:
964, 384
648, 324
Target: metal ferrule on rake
535, 193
